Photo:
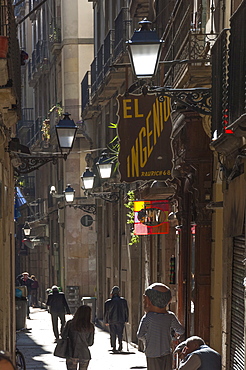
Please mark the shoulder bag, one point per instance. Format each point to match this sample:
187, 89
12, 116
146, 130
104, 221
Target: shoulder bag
63, 348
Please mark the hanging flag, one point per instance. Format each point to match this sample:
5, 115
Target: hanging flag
19, 201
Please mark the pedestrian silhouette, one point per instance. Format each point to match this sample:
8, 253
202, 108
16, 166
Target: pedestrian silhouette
116, 315
34, 292
24, 279
58, 307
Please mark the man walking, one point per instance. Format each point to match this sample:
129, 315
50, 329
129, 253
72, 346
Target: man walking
116, 315
58, 308
197, 355
156, 326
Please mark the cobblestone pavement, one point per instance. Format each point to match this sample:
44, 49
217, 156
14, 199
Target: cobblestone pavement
36, 342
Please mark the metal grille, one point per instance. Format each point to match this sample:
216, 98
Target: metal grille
237, 311
237, 64
220, 81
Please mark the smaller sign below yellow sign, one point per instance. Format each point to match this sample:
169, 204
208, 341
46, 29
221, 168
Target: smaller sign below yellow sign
151, 217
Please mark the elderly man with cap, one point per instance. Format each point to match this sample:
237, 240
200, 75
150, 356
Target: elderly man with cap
116, 315
58, 308
197, 355
156, 326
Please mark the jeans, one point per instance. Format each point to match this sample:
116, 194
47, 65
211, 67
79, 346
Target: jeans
116, 330
72, 364
29, 299
34, 298
54, 318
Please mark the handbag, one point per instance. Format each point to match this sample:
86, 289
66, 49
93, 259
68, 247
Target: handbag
63, 348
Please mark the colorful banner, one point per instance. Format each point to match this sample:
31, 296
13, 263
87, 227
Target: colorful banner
144, 130
151, 217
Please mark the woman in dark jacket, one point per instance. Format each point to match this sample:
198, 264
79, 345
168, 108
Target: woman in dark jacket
80, 332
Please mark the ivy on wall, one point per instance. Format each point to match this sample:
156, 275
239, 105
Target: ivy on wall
130, 216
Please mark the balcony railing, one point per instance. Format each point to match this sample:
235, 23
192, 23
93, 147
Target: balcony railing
85, 90
94, 76
26, 121
108, 51
121, 26
100, 73
185, 40
35, 134
41, 52
8, 28
28, 185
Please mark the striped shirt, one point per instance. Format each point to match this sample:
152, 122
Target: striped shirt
155, 331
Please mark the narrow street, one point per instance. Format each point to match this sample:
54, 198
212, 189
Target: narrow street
36, 343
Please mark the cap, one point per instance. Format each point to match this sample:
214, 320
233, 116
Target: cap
55, 287
115, 290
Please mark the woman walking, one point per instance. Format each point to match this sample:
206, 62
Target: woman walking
80, 332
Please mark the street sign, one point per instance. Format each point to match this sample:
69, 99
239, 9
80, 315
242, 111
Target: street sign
86, 220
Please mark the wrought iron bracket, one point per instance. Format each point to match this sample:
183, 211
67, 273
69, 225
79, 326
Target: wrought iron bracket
88, 208
112, 197
197, 99
27, 164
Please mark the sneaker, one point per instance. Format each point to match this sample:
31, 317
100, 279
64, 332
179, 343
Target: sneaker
114, 349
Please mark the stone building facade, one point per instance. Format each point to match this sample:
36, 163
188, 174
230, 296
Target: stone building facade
59, 41
10, 103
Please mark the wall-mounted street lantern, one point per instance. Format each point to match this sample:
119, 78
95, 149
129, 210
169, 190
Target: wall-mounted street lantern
26, 229
66, 133
104, 166
87, 178
68, 193
144, 50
